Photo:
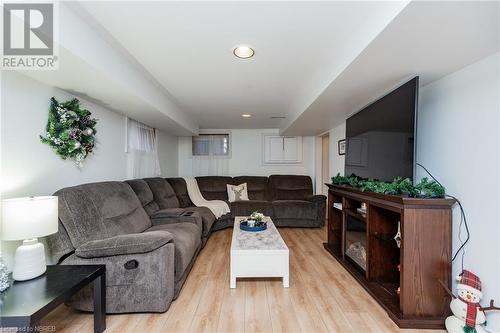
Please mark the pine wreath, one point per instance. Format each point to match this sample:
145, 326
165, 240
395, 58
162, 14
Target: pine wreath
70, 130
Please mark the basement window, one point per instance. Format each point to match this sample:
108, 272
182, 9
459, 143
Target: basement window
211, 145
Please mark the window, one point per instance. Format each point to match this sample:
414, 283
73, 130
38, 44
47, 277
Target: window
142, 149
211, 145
140, 137
282, 149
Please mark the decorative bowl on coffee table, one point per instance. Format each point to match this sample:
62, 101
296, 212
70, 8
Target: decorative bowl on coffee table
257, 226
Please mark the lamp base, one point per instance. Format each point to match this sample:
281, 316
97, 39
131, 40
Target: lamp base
29, 261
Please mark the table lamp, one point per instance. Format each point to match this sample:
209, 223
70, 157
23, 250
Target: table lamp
26, 219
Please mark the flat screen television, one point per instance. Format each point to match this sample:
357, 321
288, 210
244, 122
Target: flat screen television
380, 138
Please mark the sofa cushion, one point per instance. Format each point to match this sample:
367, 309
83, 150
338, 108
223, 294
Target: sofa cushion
168, 212
143, 192
100, 210
180, 189
163, 193
290, 187
294, 209
177, 215
214, 187
258, 187
187, 241
59, 244
245, 208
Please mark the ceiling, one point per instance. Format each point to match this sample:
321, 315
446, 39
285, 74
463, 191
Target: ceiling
187, 47
429, 39
170, 64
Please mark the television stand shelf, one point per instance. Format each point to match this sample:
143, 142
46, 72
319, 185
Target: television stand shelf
424, 257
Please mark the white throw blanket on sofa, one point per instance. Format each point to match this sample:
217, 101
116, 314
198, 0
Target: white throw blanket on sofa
218, 207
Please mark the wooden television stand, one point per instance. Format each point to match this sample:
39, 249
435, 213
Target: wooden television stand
424, 256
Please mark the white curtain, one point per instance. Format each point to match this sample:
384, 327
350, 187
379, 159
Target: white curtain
142, 149
211, 155
210, 166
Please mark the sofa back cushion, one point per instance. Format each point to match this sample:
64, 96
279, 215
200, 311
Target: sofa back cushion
163, 193
145, 195
100, 210
58, 244
290, 187
180, 189
214, 187
258, 187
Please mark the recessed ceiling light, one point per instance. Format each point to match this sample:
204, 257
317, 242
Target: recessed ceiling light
243, 52
246, 115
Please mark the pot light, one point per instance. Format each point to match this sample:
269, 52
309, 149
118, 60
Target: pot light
244, 52
246, 115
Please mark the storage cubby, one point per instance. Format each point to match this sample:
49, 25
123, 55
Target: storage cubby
424, 256
335, 227
351, 207
384, 253
355, 234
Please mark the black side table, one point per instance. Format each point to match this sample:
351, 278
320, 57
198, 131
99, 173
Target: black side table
25, 303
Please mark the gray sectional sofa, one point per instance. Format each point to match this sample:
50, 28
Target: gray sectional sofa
148, 233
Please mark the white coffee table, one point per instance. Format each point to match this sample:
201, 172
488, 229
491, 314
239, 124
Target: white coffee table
258, 254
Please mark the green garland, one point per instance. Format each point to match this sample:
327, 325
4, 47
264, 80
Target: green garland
399, 186
70, 130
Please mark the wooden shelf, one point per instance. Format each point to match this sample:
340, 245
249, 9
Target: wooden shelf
354, 213
424, 257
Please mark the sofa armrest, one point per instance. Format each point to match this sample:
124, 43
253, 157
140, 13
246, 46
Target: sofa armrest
124, 244
320, 201
183, 217
169, 212
319, 198
167, 216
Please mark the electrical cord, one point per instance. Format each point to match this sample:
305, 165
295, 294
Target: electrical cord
463, 220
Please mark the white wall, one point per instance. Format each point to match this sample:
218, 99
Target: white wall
246, 155
459, 142
29, 167
168, 153
336, 161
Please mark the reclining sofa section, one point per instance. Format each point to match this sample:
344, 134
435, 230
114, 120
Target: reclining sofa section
148, 233
287, 199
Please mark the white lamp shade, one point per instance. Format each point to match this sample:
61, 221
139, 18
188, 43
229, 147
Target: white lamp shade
29, 217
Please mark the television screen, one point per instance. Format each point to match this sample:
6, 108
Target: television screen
380, 139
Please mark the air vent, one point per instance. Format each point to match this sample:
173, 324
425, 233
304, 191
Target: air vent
278, 117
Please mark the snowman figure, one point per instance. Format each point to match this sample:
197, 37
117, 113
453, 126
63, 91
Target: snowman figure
468, 316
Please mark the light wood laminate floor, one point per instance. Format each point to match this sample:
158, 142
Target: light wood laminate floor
322, 297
